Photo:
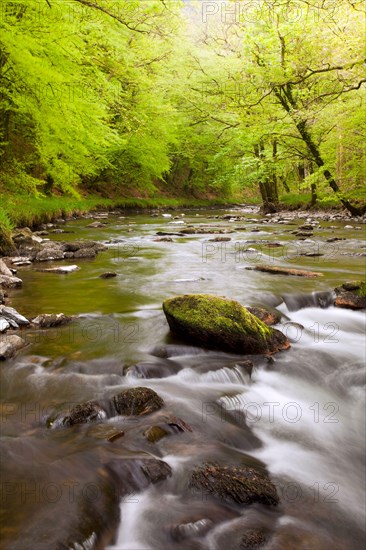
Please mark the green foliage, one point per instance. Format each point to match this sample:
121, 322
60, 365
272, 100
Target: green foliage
144, 98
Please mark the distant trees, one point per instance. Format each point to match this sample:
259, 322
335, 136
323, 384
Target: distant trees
134, 94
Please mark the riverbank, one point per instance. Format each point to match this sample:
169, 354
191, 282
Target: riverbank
26, 211
29, 211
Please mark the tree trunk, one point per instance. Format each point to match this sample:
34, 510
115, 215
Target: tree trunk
314, 196
288, 103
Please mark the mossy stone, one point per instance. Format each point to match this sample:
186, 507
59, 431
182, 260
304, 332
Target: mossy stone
220, 323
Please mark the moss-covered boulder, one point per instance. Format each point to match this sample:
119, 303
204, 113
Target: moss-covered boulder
351, 295
219, 323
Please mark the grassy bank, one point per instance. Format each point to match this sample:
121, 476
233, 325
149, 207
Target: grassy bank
28, 211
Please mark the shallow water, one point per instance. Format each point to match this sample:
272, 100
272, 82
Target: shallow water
304, 410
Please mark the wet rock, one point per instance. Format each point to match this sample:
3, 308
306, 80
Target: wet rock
22, 235
10, 345
219, 323
335, 239
48, 320
273, 245
164, 240
96, 225
2, 296
20, 260
192, 529
155, 433
303, 233
74, 246
137, 474
204, 231
105, 432
61, 270
253, 538
108, 275
246, 365
179, 425
172, 426
351, 295
267, 317
4, 324
49, 254
85, 253
148, 369
220, 240
137, 401
285, 271
4, 270
12, 316
238, 484
83, 413
306, 227
10, 282
311, 254
167, 234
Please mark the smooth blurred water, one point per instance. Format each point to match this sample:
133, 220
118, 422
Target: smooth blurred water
305, 408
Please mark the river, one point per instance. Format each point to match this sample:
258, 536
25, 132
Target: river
304, 408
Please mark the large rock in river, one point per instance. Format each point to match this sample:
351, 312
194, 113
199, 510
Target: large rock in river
222, 324
239, 484
351, 295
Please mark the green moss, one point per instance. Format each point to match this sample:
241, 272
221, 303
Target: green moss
205, 312
357, 288
6, 244
361, 290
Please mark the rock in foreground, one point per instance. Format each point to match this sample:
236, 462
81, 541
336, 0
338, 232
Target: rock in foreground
239, 484
351, 295
222, 324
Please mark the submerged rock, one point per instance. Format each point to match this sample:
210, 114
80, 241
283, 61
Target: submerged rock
105, 432
285, 271
108, 275
137, 401
351, 295
239, 484
172, 426
137, 474
253, 538
155, 433
90, 411
10, 344
222, 324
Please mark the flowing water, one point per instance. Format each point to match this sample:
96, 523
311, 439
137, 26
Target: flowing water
304, 408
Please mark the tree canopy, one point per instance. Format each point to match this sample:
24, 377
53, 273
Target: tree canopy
201, 98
